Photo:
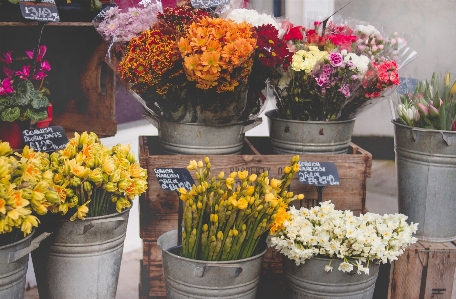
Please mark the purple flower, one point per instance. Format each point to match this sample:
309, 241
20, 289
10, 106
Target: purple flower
345, 90
322, 79
327, 69
336, 59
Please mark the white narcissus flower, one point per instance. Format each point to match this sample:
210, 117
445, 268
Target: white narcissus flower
345, 267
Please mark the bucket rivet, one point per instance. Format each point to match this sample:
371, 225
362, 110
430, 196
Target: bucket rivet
287, 129
321, 132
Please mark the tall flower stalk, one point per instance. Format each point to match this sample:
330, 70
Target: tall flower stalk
225, 217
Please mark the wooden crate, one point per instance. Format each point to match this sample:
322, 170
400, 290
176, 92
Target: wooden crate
425, 270
158, 208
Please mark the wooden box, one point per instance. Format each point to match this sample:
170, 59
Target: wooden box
158, 208
425, 270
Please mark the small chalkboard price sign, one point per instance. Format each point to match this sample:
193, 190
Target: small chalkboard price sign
319, 174
172, 178
47, 139
208, 3
40, 10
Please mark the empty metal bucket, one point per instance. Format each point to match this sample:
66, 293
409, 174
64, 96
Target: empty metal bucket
426, 172
81, 259
309, 137
191, 279
311, 281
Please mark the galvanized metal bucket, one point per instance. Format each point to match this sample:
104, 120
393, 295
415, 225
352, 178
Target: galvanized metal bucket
426, 172
309, 137
191, 279
194, 138
13, 266
311, 281
81, 259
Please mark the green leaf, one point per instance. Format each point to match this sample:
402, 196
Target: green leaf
38, 100
11, 114
36, 115
4, 103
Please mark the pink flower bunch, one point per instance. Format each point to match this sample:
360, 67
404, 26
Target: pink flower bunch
24, 73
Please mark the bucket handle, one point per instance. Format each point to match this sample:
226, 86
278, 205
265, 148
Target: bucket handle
14, 256
89, 226
199, 271
450, 140
250, 124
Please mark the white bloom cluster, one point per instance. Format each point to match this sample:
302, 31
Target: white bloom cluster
357, 240
254, 18
360, 62
367, 29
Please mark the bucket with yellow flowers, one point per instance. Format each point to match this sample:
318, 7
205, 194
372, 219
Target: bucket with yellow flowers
225, 223
25, 185
95, 185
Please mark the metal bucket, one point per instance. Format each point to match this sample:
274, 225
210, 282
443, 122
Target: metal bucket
311, 281
309, 137
187, 278
194, 138
81, 259
13, 266
426, 172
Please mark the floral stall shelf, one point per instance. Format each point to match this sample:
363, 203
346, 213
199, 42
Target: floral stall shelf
24, 188
333, 254
332, 73
225, 220
22, 94
95, 186
425, 141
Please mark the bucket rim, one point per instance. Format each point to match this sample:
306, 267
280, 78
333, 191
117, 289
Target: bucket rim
87, 219
397, 123
272, 114
206, 262
19, 241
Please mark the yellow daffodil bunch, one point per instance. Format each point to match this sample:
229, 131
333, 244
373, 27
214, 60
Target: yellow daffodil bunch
93, 179
25, 191
225, 217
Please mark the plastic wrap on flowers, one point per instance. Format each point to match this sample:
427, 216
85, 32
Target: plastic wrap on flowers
337, 71
119, 24
183, 81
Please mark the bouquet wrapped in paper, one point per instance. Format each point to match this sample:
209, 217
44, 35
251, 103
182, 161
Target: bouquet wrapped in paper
336, 69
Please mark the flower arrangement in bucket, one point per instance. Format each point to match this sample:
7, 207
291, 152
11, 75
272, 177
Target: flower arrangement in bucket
337, 69
331, 239
25, 188
94, 180
432, 105
225, 217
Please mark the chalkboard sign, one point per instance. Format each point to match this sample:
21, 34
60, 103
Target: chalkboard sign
208, 3
40, 10
173, 178
47, 139
318, 173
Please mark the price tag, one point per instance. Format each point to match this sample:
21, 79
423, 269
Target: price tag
42, 11
208, 3
47, 139
172, 178
318, 173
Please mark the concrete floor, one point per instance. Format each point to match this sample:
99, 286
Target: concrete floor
381, 198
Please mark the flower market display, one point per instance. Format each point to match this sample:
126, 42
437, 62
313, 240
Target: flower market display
431, 106
357, 241
336, 69
225, 217
22, 90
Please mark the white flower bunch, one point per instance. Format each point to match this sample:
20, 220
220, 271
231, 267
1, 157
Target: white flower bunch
254, 18
357, 240
360, 62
